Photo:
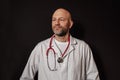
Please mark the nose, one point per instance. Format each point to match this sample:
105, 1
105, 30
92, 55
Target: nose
57, 22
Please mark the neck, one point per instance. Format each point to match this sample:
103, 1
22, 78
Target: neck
62, 38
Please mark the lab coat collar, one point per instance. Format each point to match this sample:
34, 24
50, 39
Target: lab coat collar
70, 49
72, 41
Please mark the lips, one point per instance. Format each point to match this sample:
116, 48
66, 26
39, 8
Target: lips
57, 27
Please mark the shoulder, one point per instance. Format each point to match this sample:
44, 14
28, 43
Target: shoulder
83, 46
39, 46
44, 42
80, 42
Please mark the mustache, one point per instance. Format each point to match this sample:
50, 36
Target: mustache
57, 25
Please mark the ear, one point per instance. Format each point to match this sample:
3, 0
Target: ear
71, 24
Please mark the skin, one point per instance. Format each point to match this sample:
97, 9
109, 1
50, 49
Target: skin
61, 24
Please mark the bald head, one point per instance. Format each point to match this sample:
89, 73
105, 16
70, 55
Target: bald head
61, 11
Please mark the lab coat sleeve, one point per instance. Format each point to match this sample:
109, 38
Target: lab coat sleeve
91, 69
32, 66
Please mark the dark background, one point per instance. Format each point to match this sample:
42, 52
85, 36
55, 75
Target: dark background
23, 23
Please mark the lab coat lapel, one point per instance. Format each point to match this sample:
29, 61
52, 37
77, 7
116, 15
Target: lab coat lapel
70, 49
71, 46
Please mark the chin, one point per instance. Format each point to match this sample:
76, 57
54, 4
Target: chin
62, 34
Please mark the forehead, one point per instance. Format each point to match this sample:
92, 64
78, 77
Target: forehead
61, 13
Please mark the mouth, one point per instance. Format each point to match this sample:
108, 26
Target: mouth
57, 27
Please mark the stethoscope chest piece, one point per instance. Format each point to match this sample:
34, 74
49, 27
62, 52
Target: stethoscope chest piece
60, 60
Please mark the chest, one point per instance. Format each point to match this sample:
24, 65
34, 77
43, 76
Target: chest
72, 66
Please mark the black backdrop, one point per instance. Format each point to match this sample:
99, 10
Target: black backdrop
23, 23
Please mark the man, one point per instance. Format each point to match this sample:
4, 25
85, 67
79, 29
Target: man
61, 57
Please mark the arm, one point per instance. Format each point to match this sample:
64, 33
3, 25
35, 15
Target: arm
31, 67
91, 69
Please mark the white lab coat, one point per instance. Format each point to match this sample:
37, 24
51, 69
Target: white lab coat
78, 63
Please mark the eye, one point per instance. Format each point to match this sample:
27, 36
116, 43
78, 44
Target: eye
53, 19
62, 19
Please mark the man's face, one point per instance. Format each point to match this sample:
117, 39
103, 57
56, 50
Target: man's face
61, 22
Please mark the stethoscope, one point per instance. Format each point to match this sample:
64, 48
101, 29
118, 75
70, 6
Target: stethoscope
60, 59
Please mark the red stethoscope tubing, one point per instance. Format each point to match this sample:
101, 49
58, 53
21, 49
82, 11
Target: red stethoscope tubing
50, 47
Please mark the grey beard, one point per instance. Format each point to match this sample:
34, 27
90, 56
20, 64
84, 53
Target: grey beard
63, 33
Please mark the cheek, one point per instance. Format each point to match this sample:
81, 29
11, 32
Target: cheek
66, 25
63, 24
52, 23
